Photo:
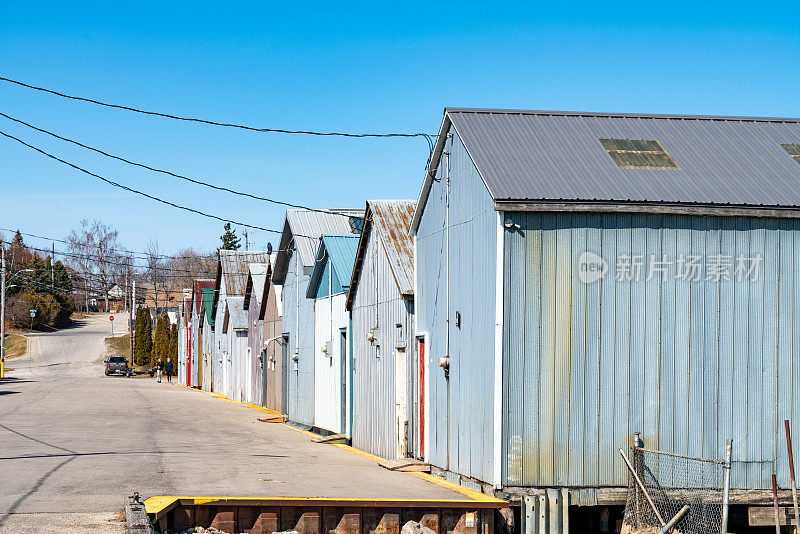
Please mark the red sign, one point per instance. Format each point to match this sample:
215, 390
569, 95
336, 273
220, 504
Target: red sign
111, 318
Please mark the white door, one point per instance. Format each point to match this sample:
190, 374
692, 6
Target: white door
401, 402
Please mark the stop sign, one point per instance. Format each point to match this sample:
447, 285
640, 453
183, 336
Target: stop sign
111, 318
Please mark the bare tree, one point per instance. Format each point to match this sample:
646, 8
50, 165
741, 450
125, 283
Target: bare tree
188, 264
94, 249
156, 273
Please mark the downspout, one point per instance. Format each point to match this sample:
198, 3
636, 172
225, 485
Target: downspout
447, 275
297, 309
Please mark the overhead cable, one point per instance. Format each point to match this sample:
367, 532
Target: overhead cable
136, 191
214, 123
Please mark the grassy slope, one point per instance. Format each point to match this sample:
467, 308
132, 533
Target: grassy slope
16, 346
119, 346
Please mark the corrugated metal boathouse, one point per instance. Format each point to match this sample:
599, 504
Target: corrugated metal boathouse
294, 264
387, 402
328, 290
594, 275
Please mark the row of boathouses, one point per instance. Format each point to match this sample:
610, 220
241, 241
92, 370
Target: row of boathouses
563, 281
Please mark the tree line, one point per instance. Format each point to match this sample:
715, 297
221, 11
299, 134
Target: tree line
97, 269
35, 282
152, 345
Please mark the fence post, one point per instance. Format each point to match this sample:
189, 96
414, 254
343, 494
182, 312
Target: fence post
726, 486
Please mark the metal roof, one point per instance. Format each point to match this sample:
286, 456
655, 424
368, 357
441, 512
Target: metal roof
235, 267
549, 156
341, 252
255, 282
208, 303
235, 314
302, 230
391, 220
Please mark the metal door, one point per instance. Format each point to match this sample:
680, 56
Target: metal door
285, 373
401, 402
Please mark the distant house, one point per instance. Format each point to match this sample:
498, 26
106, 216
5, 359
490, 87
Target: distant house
388, 400
581, 277
327, 288
293, 267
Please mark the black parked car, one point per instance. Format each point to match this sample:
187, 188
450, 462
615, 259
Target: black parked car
117, 364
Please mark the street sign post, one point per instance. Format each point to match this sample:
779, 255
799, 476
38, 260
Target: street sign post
33, 314
112, 325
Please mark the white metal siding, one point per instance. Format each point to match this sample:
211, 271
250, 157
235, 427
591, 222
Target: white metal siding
463, 443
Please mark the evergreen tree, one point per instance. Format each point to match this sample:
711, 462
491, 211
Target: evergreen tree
173, 347
143, 337
157, 341
229, 239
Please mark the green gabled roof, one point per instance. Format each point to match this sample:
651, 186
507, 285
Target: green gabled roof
208, 304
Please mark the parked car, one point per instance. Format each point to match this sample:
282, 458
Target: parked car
117, 364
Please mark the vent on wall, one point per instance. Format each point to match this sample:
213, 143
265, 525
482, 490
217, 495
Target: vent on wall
639, 154
793, 150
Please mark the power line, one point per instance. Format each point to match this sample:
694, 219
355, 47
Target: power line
215, 123
144, 255
162, 171
136, 191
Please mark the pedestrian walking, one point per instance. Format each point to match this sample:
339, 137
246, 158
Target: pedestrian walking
168, 370
159, 370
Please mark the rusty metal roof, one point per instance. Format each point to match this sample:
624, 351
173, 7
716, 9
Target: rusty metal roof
235, 267
546, 157
198, 285
391, 220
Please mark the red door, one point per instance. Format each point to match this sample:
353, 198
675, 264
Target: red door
421, 389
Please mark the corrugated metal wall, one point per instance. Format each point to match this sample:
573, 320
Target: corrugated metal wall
273, 362
209, 343
196, 348
301, 379
328, 367
221, 346
687, 363
255, 332
473, 237
239, 365
378, 303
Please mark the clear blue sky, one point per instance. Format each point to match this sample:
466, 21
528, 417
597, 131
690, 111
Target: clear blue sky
367, 67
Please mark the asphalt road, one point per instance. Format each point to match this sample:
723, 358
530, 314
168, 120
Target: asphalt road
74, 444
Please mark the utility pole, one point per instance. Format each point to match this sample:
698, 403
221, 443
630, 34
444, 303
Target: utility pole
2, 310
130, 320
53, 266
246, 244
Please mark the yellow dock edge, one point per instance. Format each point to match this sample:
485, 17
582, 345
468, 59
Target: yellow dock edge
159, 503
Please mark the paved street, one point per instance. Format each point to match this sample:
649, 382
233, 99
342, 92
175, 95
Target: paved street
74, 441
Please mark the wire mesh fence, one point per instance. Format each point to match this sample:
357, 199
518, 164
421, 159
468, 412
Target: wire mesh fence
685, 490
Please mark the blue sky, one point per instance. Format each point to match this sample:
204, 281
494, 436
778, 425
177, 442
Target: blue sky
323, 66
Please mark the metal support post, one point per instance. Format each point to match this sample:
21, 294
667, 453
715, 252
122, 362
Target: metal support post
791, 473
726, 486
